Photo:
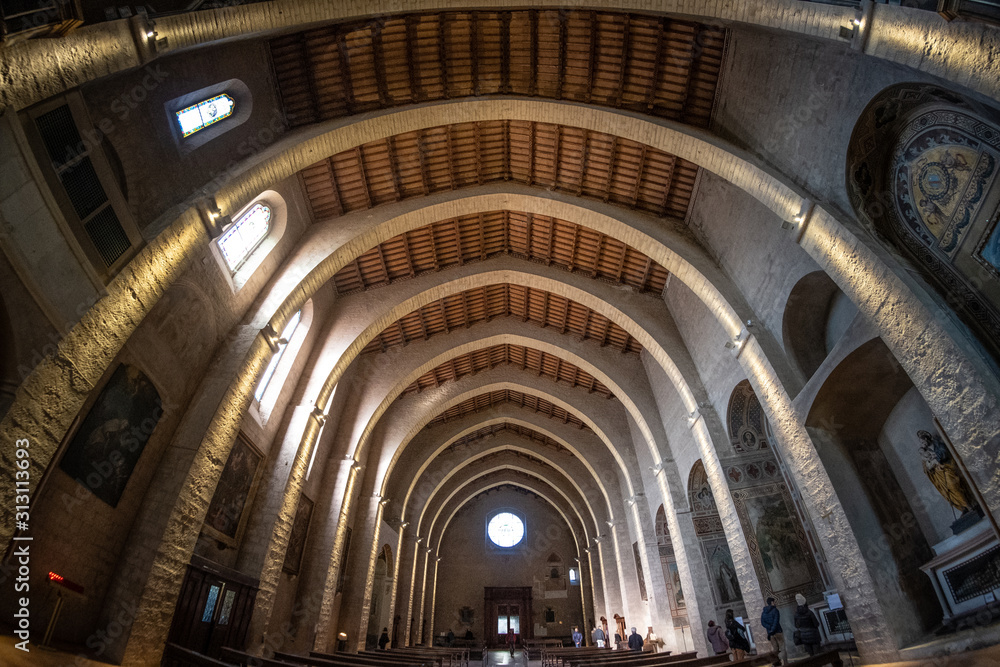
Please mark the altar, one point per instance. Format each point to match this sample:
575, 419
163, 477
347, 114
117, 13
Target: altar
966, 570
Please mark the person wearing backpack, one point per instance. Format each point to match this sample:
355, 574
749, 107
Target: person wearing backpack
806, 626
737, 636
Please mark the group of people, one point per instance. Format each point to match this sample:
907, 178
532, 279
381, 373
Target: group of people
733, 636
635, 640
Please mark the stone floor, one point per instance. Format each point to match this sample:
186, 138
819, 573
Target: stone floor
37, 657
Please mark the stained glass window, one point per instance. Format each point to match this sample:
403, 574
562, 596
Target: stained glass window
245, 235
286, 335
199, 116
505, 529
213, 596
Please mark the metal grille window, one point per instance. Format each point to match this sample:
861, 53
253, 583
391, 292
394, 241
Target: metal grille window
73, 161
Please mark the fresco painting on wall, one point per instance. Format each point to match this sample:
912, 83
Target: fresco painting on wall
226, 514
781, 554
675, 578
113, 435
720, 565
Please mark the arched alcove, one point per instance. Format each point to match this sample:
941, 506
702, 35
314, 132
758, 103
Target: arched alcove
817, 314
778, 546
922, 170
708, 527
865, 422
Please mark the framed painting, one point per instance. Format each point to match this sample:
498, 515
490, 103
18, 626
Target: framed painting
111, 438
227, 515
777, 542
297, 539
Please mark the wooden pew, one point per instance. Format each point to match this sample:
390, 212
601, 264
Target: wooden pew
454, 652
550, 656
382, 659
538, 645
629, 658
178, 656
244, 659
455, 656
828, 658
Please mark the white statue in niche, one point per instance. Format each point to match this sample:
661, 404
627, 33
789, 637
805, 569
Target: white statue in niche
943, 473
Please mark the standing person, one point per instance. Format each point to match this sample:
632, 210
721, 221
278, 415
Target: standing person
717, 638
737, 636
770, 620
512, 640
635, 641
806, 626
653, 640
384, 639
598, 636
450, 637
577, 637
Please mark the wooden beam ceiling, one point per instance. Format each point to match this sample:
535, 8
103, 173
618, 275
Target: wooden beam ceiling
494, 430
482, 304
659, 66
525, 358
572, 160
472, 238
487, 400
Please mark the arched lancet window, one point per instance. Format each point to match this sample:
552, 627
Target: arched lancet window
286, 336
243, 236
202, 115
207, 112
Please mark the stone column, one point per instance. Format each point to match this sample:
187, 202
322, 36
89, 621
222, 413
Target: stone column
359, 597
264, 548
687, 551
324, 635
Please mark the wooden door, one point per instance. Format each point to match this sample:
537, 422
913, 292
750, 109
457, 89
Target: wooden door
508, 612
214, 609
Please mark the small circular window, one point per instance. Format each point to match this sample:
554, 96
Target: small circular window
505, 529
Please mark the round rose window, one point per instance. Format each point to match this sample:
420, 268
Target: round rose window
505, 529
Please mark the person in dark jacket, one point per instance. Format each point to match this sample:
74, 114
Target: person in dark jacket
598, 636
717, 638
737, 636
577, 637
635, 641
770, 620
384, 639
806, 626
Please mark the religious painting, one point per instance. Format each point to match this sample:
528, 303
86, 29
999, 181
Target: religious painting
702, 499
723, 572
297, 538
105, 449
226, 517
776, 540
675, 584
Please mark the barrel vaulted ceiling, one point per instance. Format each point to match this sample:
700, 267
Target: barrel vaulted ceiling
658, 67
